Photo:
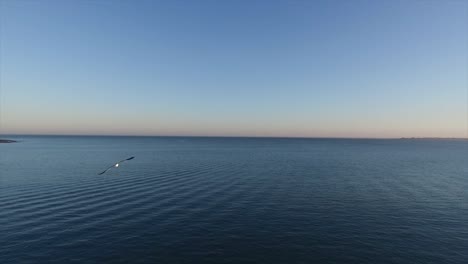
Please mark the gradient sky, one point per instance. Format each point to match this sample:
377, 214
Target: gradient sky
235, 68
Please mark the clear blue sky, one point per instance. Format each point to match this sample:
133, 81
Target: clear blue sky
235, 68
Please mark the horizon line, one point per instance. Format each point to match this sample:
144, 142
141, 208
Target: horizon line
229, 136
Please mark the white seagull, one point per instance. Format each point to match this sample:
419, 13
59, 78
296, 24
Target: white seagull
116, 165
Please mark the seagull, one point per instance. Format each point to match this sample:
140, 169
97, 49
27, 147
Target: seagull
116, 165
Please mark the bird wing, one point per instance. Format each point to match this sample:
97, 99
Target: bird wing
101, 173
126, 159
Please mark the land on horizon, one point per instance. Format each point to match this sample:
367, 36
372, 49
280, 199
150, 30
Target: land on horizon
7, 141
222, 136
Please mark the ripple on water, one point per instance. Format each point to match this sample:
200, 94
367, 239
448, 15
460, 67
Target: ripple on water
236, 200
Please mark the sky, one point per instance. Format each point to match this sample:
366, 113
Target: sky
235, 68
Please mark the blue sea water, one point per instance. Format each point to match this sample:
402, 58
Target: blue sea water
233, 200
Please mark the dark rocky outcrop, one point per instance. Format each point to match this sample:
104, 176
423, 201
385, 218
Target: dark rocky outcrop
7, 141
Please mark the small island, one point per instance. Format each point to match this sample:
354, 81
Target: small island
7, 141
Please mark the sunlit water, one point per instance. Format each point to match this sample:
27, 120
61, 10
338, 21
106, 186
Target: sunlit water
233, 200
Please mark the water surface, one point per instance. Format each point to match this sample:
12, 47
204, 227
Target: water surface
233, 200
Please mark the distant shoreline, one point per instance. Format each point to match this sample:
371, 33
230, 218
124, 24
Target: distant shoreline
7, 141
434, 138
220, 136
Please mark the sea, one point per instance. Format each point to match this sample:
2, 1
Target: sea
233, 200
